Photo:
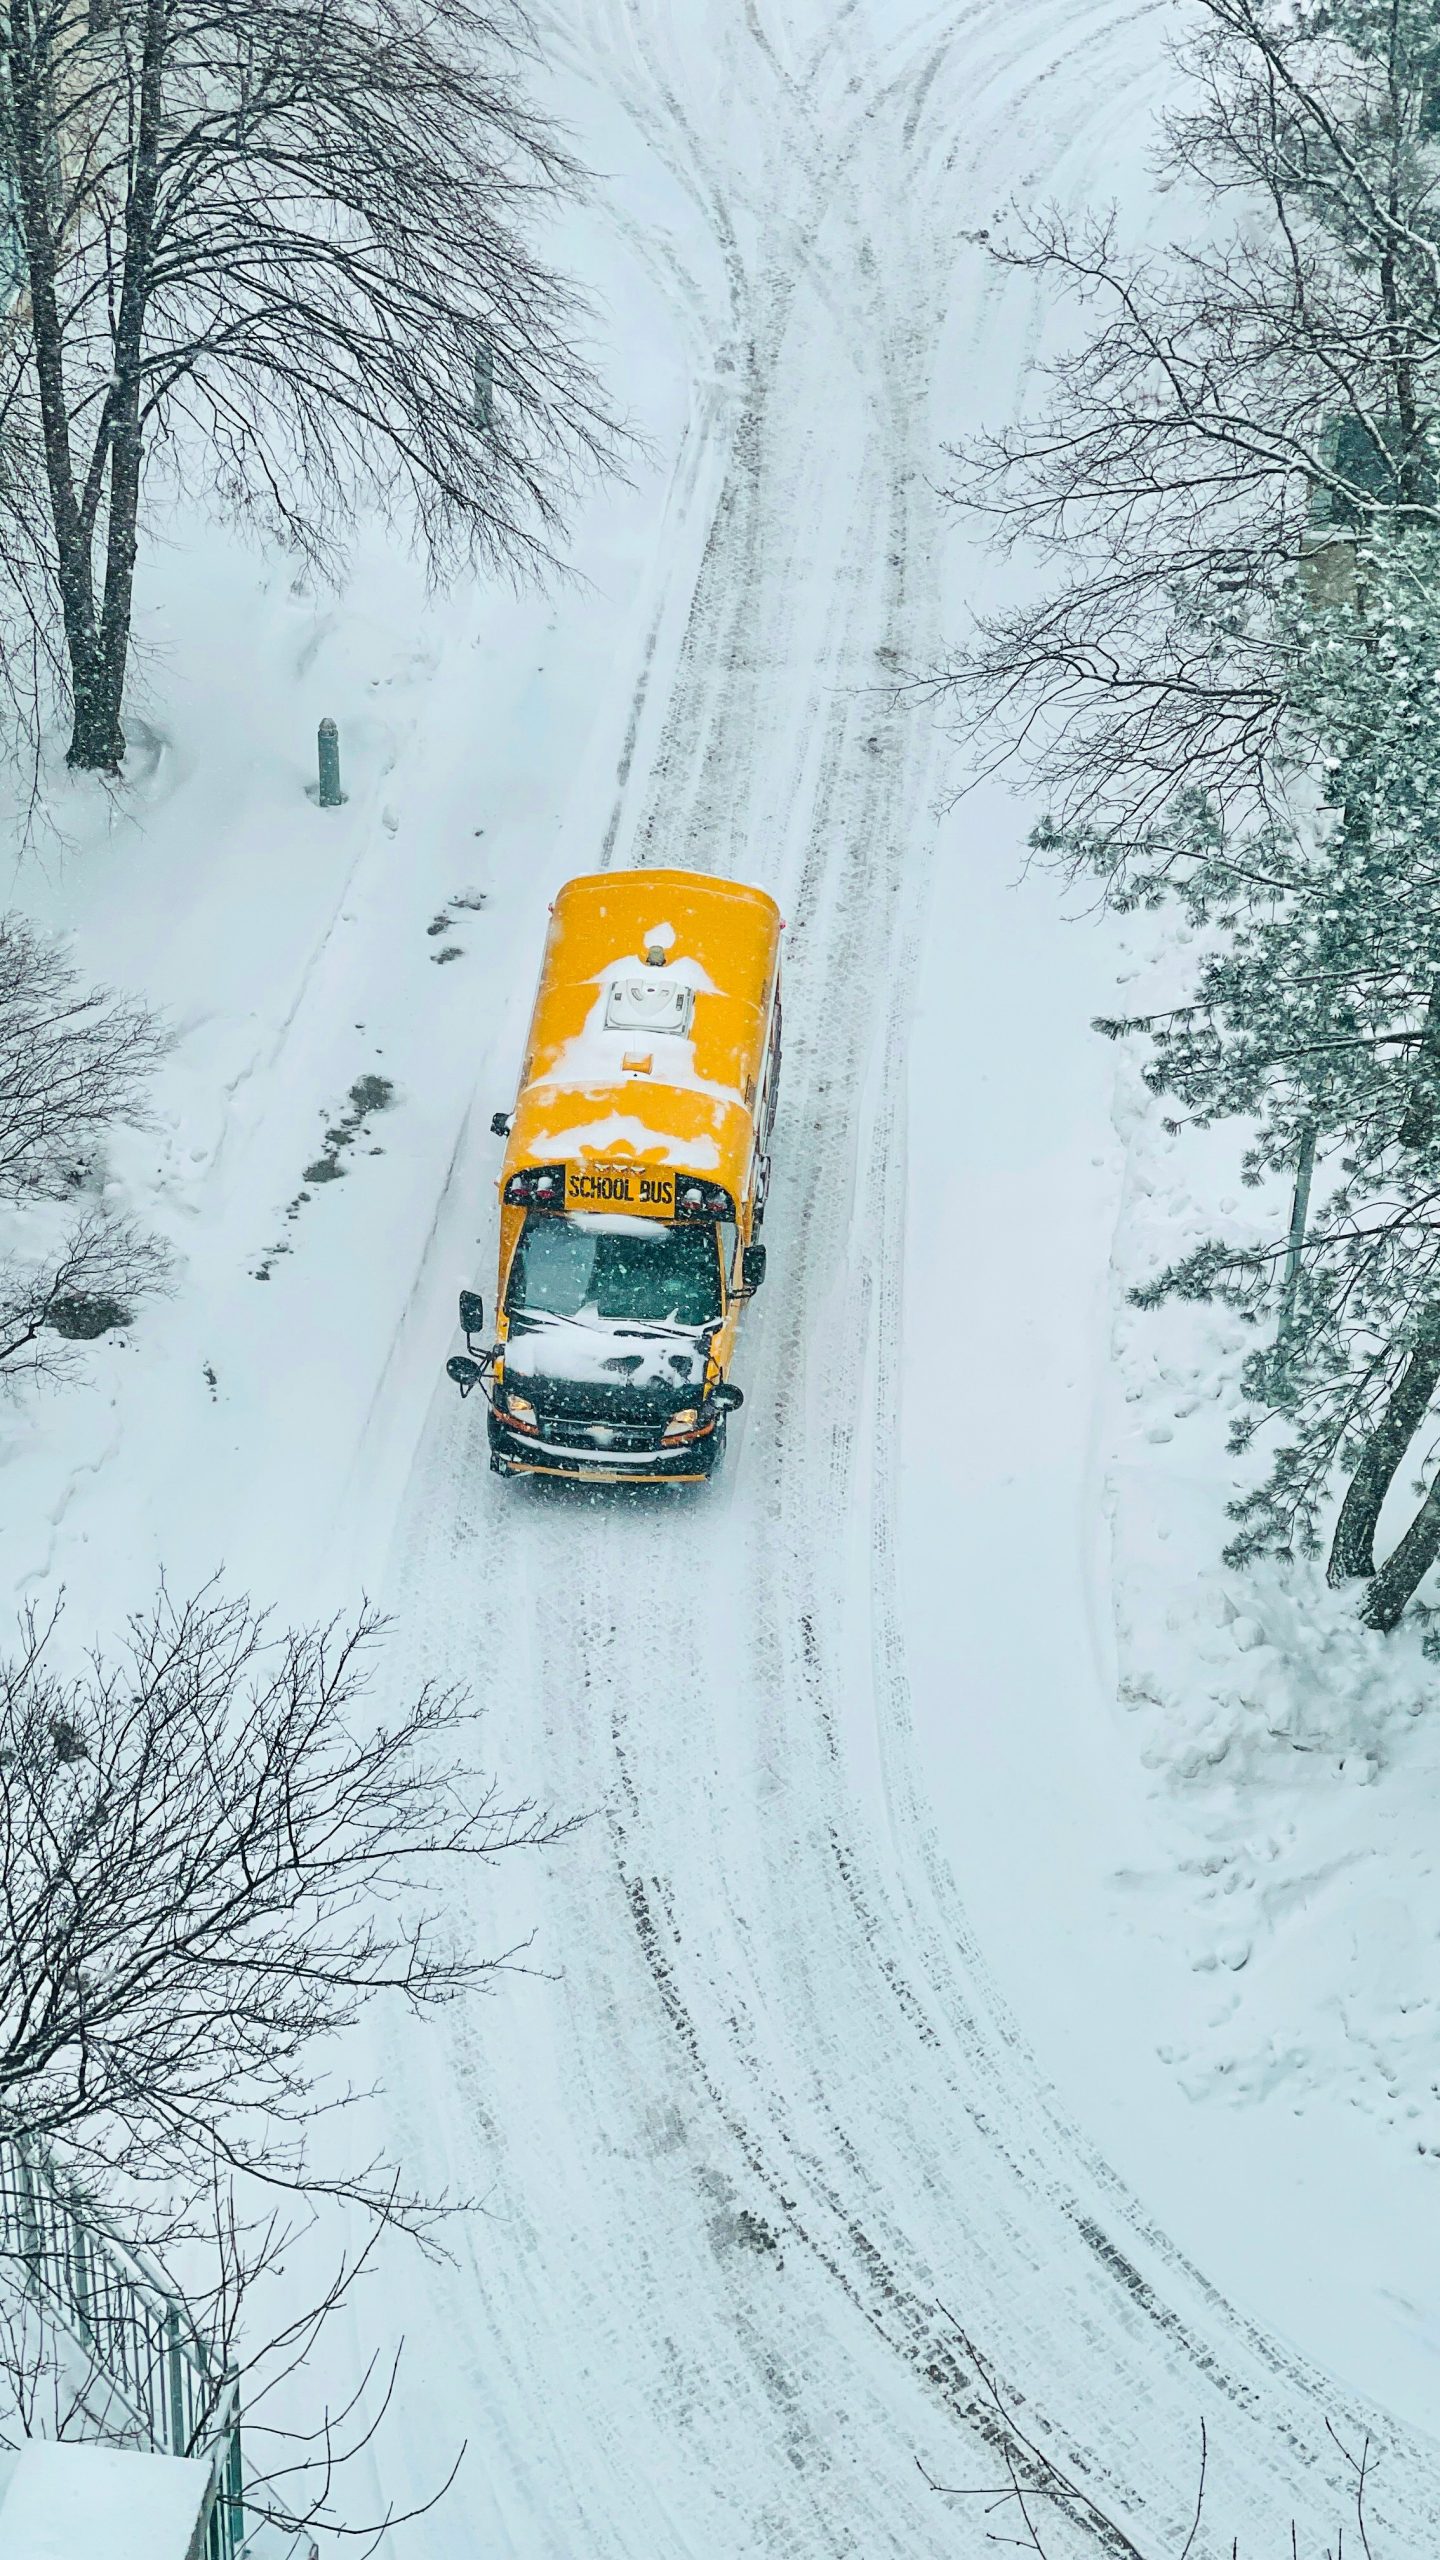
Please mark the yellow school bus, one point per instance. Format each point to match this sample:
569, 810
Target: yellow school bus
633, 1188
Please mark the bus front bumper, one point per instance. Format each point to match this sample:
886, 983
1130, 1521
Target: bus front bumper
586, 1458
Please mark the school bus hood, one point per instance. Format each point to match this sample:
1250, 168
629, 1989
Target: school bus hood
566, 1365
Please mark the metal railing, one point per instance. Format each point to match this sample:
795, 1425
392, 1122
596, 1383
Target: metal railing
143, 2372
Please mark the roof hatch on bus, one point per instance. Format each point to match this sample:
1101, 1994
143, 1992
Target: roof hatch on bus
649, 1001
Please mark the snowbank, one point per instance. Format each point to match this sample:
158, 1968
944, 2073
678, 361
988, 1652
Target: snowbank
1293, 1754
79, 2501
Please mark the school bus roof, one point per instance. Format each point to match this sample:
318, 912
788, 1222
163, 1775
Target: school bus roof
630, 1060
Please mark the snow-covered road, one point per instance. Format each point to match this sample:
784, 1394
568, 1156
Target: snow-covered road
772, 2114
847, 1729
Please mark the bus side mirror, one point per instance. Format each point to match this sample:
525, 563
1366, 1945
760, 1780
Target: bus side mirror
499, 1124
467, 1374
472, 1313
752, 1266
725, 1398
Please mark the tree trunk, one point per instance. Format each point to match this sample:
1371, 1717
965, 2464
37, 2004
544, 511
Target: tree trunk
99, 740
1417, 1127
1294, 1259
1412, 456
1353, 1547
31, 119
98, 744
1402, 1572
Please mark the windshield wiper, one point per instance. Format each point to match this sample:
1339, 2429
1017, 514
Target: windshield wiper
595, 1322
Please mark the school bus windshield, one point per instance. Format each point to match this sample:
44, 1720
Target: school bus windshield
616, 1271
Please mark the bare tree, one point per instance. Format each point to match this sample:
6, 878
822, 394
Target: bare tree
247, 2332
1038, 2498
214, 1854
287, 246
33, 665
1218, 393
73, 1061
297, 2466
1211, 718
97, 1274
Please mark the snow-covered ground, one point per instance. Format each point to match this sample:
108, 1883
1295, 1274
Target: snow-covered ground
60, 2499
900, 1963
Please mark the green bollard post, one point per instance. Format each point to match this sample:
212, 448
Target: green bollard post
484, 403
331, 794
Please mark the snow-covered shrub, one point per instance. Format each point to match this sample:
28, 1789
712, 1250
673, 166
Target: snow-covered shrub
74, 1061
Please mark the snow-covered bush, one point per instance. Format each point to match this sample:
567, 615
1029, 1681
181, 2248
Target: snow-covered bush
74, 1061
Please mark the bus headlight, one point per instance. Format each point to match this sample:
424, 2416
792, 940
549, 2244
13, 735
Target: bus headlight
520, 1411
681, 1426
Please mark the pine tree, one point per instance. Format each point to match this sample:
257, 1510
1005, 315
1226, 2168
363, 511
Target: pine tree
1207, 733
1314, 1017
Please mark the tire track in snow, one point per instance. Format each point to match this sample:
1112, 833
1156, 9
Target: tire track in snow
774, 2010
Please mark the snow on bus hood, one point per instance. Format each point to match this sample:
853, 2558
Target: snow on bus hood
589, 1352
620, 1133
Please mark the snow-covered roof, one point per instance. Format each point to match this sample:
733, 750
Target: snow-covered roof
72, 2501
648, 1036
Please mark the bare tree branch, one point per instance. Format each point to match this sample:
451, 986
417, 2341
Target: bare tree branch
1220, 395
213, 1855
282, 237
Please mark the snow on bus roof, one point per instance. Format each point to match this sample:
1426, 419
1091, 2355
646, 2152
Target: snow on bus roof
647, 1034
597, 1055
620, 1133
